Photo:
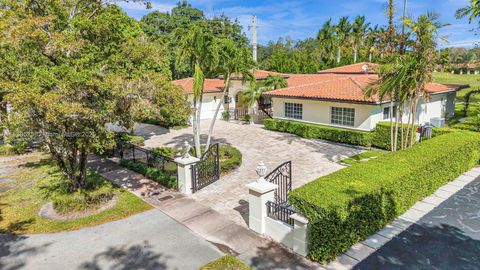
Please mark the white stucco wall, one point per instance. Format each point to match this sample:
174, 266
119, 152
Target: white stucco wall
279, 231
366, 116
318, 112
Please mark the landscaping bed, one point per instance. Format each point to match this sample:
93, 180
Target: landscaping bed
225, 263
39, 182
347, 206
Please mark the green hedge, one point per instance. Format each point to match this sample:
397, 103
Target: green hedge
129, 138
304, 130
166, 179
347, 206
381, 135
230, 158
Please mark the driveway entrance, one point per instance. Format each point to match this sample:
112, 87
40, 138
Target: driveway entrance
310, 159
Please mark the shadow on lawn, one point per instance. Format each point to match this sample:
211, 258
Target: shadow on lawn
133, 257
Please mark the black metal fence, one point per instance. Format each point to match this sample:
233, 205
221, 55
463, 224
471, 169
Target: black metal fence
282, 177
280, 211
128, 151
207, 170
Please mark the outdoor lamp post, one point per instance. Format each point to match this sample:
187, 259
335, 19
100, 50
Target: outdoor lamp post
261, 171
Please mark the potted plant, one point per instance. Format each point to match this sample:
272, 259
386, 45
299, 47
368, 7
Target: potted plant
226, 115
248, 119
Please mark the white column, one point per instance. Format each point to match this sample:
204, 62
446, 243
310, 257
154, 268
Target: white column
184, 167
300, 225
259, 194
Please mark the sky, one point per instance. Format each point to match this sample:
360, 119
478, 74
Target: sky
300, 19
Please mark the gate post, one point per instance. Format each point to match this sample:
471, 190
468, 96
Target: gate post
300, 224
260, 192
185, 177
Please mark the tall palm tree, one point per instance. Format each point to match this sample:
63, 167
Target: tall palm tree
372, 41
342, 31
275, 82
327, 40
359, 32
233, 60
472, 11
199, 49
391, 27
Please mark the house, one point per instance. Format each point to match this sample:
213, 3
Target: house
335, 97
470, 68
213, 93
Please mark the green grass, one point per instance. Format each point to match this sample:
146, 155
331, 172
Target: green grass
363, 157
6, 150
472, 80
19, 206
225, 263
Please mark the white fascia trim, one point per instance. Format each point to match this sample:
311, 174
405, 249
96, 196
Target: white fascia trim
321, 124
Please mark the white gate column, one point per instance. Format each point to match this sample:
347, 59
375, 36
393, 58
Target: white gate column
184, 170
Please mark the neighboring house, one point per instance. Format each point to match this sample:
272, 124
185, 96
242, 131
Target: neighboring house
470, 68
335, 97
213, 93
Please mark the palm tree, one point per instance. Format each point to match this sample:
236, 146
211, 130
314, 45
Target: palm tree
372, 41
275, 82
342, 31
326, 40
200, 50
391, 27
233, 60
472, 11
359, 31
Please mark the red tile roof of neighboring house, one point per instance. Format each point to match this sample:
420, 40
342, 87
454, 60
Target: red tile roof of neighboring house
210, 86
259, 75
352, 69
467, 66
337, 87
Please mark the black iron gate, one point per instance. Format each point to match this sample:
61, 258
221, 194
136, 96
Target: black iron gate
281, 209
207, 170
281, 176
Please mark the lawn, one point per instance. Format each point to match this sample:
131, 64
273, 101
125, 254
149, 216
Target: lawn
472, 80
20, 205
363, 157
225, 263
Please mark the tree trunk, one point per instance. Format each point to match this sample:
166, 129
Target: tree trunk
407, 134
196, 130
212, 124
338, 55
370, 57
412, 125
390, 115
355, 52
397, 113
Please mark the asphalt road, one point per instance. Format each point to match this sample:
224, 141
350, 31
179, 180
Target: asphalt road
149, 240
446, 238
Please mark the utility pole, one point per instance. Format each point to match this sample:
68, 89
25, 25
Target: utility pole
254, 38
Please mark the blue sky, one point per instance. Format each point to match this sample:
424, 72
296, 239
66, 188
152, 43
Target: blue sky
302, 18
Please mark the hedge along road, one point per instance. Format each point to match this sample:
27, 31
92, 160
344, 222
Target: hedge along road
149, 240
310, 159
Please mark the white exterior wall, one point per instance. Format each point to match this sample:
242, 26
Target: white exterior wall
211, 100
279, 231
366, 116
318, 112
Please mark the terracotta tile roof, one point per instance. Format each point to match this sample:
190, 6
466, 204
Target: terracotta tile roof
211, 85
335, 87
468, 66
352, 69
259, 75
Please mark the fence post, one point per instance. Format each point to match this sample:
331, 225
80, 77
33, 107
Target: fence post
260, 192
300, 224
184, 169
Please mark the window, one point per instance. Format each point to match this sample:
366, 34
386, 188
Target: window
343, 116
293, 110
386, 113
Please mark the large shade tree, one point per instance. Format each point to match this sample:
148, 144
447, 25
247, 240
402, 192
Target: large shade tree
64, 76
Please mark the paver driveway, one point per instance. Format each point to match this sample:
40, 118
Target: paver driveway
310, 159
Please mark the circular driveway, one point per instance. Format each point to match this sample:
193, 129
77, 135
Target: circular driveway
310, 159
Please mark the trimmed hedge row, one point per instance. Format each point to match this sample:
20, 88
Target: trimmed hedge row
349, 205
348, 136
165, 179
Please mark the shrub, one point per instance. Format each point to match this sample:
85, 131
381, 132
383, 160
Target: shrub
6, 150
98, 191
166, 151
164, 178
128, 138
247, 118
226, 115
438, 131
230, 158
225, 263
381, 135
347, 206
314, 131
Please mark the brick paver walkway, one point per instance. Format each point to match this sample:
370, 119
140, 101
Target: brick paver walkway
310, 160
231, 238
